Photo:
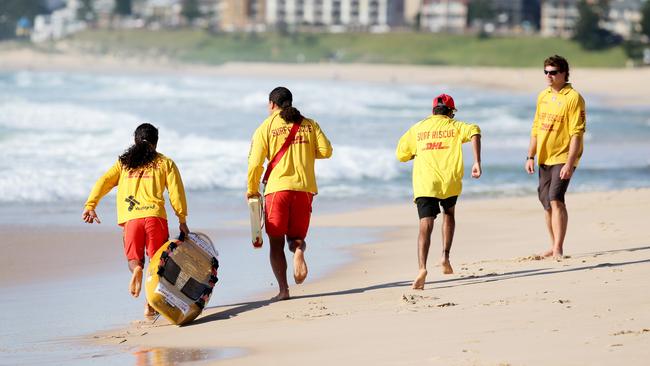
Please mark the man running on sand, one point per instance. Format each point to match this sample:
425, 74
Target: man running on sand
141, 175
291, 184
557, 140
435, 145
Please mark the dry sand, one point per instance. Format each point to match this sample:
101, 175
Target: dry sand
619, 87
499, 308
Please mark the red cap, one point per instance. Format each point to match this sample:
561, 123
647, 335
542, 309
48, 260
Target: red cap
444, 100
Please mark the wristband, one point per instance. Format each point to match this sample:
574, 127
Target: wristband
530, 158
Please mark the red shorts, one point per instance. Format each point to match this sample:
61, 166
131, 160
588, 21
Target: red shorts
146, 232
288, 213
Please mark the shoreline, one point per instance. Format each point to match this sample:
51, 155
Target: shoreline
367, 312
616, 87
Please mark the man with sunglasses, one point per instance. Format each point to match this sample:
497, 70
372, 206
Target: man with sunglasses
435, 145
557, 140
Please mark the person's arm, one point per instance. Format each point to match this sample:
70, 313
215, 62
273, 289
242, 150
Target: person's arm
257, 155
103, 185
177, 198
472, 132
529, 166
406, 148
577, 125
323, 144
532, 150
574, 147
476, 150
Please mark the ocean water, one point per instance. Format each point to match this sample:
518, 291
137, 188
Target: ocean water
60, 131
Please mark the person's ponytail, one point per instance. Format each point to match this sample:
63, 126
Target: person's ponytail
143, 152
291, 115
282, 97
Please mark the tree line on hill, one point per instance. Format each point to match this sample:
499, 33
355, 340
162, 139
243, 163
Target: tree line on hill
588, 31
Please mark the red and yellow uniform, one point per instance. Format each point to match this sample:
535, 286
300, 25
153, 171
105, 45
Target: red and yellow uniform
558, 117
141, 204
295, 171
292, 183
435, 144
140, 192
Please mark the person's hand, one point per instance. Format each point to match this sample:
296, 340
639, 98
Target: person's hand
530, 166
89, 216
183, 228
251, 195
566, 172
476, 170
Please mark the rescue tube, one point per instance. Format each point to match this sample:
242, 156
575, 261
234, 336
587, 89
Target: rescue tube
257, 219
181, 276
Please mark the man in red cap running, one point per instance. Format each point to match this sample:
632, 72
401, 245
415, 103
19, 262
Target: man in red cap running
435, 145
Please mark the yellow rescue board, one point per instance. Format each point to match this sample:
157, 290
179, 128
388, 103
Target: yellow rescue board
181, 276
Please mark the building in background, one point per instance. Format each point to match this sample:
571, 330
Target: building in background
448, 16
242, 15
516, 16
624, 17
336, 15
61, 23
560, 16
412, 11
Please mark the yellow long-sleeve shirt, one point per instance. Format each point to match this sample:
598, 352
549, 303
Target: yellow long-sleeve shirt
436, 145
295, 171
558, 117
140, 192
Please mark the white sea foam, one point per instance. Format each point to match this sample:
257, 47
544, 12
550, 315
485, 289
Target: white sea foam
60, 131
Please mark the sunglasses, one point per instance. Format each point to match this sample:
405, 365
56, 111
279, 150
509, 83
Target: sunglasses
551, 72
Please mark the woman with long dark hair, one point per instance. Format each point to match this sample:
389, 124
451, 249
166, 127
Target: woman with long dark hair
291, 143
141, 175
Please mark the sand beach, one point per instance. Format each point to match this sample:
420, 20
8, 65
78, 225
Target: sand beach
500, 307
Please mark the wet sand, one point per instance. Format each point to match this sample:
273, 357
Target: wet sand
500, 307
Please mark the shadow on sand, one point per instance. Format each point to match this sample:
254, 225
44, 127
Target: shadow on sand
236, 309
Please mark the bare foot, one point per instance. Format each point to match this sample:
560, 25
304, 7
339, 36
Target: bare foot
418, 284
149, 311
136, 282
446, 266
282, 295
547, 254
299, 266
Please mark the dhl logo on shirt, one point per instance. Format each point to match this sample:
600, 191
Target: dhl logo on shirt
299, 139
548, 120
141, 173
435, 146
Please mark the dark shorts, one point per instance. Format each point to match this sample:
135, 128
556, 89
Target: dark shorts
551, 187
430, 206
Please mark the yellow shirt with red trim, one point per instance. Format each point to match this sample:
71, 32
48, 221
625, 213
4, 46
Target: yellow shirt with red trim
435, 144
295, 171
558, 117
140, 191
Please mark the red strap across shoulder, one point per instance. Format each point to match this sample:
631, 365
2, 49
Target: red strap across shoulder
276, 159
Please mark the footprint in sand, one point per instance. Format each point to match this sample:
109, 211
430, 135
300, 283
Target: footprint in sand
446, 304
413, 299
623, 332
